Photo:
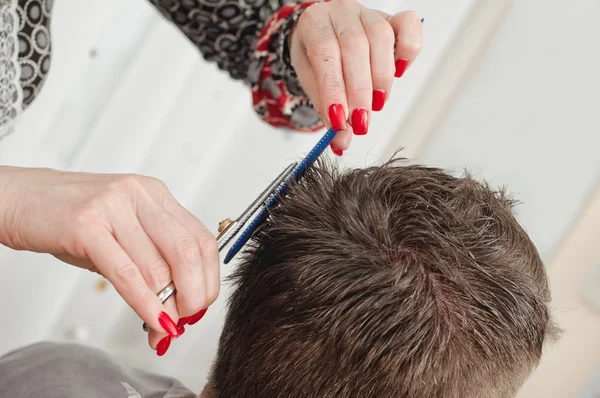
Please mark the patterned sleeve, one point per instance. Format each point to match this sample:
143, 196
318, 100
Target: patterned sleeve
249, 40
24, 56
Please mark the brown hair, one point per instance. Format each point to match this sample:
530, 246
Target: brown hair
395, 281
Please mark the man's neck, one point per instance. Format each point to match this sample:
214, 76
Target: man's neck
208, 392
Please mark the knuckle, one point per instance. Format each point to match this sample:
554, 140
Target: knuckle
160, 274
380, 25
188, 251
208, 244
382, 29
356, 41
128, 273
128, 183
311, 15
323, 51
346, 4
157, 184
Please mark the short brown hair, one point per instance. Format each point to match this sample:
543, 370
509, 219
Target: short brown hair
395, 281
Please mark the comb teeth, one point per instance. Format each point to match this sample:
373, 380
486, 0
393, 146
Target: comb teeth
261, 215
259, 202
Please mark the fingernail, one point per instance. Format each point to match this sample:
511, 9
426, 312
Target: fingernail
337, 152
180, 330
167, 323
401, 65
337, 117
196, 318
378, 100
163, 346
360, 121
183, 321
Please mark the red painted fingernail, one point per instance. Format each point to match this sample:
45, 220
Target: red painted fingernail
401, 65
360, 121
196, 318
163, 346
167, 323
337, 152
378, 100
183, 321
337, 117
180, 331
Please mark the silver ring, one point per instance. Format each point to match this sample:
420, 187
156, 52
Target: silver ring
163, 296
167, 292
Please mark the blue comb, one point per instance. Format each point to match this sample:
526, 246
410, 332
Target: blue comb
258, 211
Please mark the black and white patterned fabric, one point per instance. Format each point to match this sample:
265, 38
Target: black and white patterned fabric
25, 46
225, 31
34, 45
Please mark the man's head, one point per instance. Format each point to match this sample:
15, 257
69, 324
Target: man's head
394, 281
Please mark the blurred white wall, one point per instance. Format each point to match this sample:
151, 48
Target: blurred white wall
529, 115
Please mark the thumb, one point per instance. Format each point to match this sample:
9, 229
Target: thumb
409, 38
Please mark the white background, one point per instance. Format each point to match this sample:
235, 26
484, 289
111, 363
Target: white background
508, 89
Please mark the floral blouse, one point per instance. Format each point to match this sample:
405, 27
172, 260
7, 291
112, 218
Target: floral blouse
246, 38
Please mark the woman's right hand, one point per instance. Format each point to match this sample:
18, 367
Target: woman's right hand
128, 228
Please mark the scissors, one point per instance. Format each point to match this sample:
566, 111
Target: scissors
243, 227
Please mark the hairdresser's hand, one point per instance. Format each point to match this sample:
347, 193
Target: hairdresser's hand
346, 57
127, 228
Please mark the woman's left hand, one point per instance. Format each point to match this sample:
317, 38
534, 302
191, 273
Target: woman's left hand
346, 57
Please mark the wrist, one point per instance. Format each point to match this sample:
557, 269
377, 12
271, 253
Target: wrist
9, 206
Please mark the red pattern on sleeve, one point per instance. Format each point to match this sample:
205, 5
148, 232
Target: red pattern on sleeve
277, 106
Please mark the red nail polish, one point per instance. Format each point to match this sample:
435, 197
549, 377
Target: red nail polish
337, 117
163, 346
180, 330
337, 152
167, 323
183, 321
378, 100
401, 65
360, 121
196, 318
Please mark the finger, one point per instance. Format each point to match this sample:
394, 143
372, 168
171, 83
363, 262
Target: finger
342, 140
114, 263
356, 65
132, 237
182, 252
209, 251
381, 42
320, 45
156, 336
409, 39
